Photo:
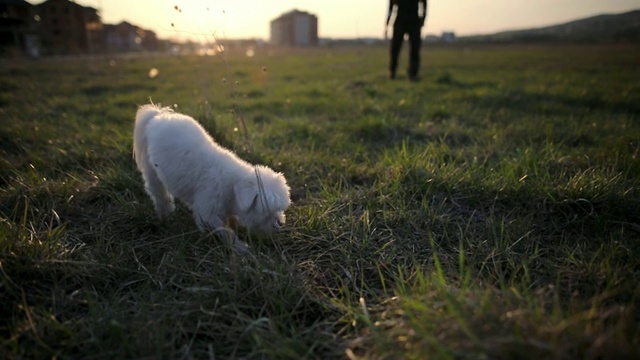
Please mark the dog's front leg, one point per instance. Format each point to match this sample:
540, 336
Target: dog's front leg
216, 226
231, 239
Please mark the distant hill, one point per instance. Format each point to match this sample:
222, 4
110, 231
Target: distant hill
602, 28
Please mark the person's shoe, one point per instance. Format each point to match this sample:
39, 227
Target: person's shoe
414, 78
392, 76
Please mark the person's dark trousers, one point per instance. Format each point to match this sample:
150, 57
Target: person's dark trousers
400, 28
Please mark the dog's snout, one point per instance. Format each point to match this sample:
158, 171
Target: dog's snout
279, 223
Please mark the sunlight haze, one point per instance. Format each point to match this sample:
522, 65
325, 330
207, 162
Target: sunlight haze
203, 19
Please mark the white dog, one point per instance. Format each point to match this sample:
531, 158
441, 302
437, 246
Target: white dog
178, 159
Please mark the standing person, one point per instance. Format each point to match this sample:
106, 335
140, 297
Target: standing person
410, 18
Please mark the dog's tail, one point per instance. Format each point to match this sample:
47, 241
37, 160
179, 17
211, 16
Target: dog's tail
145, 114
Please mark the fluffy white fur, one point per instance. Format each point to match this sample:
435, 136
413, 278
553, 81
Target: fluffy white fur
178, 159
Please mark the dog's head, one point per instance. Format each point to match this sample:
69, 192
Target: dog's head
262, 200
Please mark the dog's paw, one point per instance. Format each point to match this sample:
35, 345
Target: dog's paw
240, 247
164, 208
230, 238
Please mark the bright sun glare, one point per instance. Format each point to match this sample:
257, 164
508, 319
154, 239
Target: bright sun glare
209, 22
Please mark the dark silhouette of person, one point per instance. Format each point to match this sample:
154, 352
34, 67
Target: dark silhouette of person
410, 16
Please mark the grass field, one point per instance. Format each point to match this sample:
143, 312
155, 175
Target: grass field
490, 211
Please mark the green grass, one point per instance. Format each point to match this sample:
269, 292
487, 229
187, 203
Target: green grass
491, 210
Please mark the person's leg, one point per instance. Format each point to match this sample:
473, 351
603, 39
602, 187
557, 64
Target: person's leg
414, 51
396, 45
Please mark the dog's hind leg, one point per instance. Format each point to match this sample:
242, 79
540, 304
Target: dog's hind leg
162, 199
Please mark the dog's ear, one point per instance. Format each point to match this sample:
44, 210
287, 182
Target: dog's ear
246, 194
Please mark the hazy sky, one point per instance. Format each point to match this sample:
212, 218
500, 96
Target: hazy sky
343, 18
